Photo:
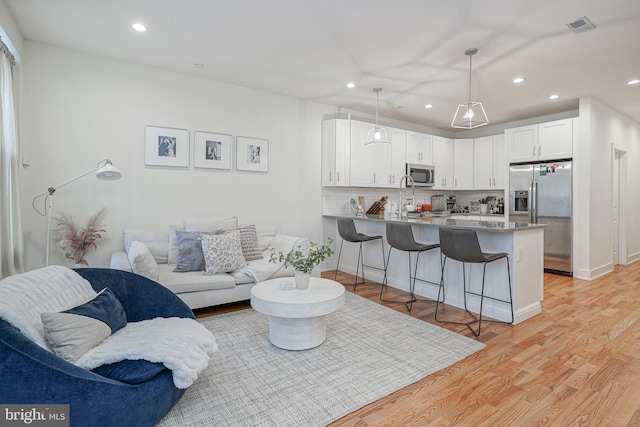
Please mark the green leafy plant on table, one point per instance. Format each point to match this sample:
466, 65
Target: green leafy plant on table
303, 260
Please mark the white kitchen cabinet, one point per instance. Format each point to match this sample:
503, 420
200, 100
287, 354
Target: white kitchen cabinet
500, 164
335, 152
544, 141
397, 161
370, 164
443, 162
419, 148
489, 163
555, 140
463, 164
522, 143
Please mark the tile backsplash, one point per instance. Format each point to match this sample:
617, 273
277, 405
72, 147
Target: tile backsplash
335, 200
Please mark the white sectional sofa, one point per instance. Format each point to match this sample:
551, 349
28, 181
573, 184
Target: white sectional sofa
159, 260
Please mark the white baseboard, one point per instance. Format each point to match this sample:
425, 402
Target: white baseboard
527, 312
594, 273
633, 258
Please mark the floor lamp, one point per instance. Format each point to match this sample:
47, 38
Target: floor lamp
104, 170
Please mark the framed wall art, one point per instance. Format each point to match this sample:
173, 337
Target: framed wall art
212, 150
165, 146
252, 154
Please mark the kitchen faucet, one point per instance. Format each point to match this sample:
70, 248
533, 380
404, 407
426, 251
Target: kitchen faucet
413, 189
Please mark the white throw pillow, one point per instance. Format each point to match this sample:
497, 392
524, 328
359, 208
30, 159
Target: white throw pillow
142, 262
156, 240
211, 224
222, 252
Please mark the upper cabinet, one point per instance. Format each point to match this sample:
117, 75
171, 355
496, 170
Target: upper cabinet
489, 163
443, 162
463, 164
556, 140
398, 159
419, 148
369, 163
336, 136
460, 164
545, 141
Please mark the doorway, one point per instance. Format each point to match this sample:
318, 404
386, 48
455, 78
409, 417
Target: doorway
618, 207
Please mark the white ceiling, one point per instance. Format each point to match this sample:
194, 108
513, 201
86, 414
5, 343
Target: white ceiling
412, 49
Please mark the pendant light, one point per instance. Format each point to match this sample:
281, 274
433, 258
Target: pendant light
377, 134
470, 114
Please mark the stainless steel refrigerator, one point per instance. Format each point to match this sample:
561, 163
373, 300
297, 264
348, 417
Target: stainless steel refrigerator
540, 192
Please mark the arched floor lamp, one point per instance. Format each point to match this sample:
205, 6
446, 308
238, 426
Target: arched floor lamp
104, 170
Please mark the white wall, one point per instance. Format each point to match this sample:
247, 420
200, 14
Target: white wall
600, 128
78, 109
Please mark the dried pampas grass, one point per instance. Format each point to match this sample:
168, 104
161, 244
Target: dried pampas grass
76, 242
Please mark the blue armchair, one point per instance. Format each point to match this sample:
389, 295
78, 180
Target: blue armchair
128, 393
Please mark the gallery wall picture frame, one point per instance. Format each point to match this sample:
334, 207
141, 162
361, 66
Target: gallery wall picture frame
212, 150
252, 154
166, 146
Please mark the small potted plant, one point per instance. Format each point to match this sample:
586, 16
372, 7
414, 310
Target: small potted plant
303, 260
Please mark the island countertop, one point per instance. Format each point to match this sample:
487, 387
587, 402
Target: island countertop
449, 221
524, 244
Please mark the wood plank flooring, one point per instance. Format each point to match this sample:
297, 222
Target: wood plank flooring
576, 364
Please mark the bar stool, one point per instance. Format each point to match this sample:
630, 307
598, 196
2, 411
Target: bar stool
348, 232
400, 237
463, 245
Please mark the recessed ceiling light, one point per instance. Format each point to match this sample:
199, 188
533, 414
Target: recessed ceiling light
351, 85
554, 96
633, 82
518, 80
139, 27
428, 106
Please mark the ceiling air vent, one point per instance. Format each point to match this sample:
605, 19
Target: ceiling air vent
581, 25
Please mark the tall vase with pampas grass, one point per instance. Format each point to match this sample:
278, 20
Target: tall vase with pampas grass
75, 242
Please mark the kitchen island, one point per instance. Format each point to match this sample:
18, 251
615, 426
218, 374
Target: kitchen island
523, 242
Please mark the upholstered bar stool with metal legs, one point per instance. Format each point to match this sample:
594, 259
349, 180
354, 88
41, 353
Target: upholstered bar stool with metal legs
400, 237
463, 245
348, 232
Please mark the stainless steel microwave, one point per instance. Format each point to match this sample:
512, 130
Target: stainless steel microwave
423, 175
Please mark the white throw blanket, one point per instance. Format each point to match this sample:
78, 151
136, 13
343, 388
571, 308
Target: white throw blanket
24, 297
182, 345
262, 270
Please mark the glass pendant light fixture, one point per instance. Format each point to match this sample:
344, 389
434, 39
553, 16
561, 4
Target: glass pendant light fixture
377, 134
470, 114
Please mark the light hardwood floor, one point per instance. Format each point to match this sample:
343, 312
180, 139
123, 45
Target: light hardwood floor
576, 364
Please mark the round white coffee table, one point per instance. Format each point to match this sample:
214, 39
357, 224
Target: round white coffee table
297, 317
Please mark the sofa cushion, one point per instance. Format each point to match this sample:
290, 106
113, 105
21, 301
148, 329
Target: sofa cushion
190, 256
73, 332
156, 240
223, 252
173, 243
192, 281
265, 235
131, 372
211, 224
142, 261
249, 242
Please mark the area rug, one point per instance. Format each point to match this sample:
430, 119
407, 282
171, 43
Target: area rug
370, 352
